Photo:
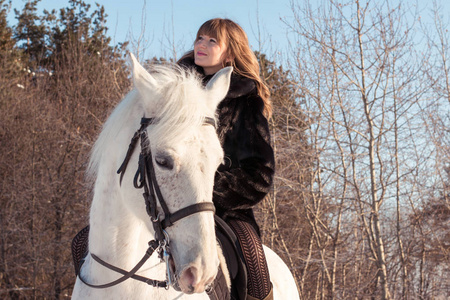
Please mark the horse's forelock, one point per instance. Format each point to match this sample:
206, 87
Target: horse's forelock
179, 110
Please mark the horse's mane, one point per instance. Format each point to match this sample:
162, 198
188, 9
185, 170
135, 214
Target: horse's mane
178, 111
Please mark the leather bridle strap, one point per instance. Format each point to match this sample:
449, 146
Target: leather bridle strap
145, 177
144, 124
187, 211
153, 245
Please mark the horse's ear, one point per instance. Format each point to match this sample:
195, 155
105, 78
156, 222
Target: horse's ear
141, 77
219, 85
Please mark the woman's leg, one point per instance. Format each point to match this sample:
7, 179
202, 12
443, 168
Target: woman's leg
259, 285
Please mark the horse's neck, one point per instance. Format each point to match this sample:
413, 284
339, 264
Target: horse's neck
116, 234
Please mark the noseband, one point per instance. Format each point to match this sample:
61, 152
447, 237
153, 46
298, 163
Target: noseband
145, 177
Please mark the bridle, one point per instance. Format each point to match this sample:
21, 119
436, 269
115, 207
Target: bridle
145, 177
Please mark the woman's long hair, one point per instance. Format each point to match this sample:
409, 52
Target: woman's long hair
243, 60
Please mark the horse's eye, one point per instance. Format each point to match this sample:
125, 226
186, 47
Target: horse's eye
164, 162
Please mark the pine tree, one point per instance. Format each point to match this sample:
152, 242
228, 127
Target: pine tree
46, 129
10, 60
30, 34
6, 41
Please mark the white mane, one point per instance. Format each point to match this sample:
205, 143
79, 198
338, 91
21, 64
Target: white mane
177, 102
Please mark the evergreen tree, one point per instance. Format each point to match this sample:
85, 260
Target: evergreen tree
46, 127
11, 65
6, 41
30, 34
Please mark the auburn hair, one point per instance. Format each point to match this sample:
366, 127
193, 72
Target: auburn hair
242, 58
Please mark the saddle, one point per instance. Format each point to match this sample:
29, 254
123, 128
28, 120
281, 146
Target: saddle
219, 290
234, 258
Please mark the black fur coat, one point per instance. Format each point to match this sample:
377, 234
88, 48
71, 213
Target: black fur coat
246, 175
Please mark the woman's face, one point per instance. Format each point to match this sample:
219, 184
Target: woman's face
209, 54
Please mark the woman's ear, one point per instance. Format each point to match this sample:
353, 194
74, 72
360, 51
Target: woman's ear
228, 62
229, 58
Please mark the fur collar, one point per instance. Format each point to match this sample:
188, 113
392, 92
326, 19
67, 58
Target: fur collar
239, 85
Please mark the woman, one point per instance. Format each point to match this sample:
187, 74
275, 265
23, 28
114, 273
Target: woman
246, 175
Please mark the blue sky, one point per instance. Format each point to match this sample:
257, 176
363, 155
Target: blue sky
125, 19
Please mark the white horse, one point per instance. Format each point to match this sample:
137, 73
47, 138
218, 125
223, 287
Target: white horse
182, 149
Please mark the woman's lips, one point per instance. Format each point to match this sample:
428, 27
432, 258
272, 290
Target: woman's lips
199, 53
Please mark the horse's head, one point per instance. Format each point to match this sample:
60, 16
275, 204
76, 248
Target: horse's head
185, 155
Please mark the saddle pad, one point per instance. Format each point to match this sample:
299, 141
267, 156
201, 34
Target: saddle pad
234, 257
219, 289
80, 248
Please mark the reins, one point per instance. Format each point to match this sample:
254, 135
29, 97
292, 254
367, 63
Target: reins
153, 246
145, 177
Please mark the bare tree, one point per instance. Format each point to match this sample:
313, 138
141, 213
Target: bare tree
362, 73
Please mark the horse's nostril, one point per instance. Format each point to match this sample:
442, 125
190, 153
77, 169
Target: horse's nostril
189, 279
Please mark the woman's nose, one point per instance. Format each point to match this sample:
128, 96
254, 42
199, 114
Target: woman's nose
202, 44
